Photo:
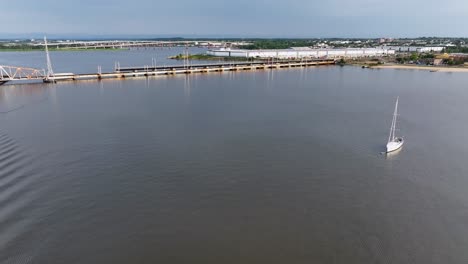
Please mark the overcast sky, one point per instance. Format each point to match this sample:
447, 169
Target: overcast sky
240, 18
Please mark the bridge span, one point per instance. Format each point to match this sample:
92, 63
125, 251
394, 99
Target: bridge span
15, 74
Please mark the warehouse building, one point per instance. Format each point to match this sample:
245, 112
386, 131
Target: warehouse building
415, 49
302, 53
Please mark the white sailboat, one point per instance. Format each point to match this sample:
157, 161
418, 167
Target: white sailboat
394, 143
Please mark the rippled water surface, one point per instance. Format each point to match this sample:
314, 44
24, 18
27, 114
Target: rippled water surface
278, 166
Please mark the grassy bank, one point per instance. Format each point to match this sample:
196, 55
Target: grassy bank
422, 67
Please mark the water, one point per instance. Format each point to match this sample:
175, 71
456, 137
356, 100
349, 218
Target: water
89, 60
278, 166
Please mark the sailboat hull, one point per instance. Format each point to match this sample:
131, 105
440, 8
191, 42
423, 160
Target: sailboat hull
394, 145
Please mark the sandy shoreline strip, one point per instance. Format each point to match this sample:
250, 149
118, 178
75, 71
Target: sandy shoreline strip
425, 68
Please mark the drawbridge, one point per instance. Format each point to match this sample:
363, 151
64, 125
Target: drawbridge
16, 73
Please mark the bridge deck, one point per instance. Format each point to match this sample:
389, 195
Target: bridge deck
129, 72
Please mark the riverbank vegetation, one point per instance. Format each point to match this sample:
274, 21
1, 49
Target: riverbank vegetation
456, 49
208, 57
19, 47
280, 43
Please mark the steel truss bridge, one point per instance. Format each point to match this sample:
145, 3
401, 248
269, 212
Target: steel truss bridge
15, 73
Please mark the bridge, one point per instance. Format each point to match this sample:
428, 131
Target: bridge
186, 69
18, 74
127, 44
14, 73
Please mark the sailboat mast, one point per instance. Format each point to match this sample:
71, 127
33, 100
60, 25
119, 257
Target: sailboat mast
395, 117
391, 137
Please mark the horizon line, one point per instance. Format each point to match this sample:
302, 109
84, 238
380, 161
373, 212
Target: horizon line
75, 36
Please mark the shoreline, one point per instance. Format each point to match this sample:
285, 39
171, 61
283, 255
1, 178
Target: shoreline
422, 68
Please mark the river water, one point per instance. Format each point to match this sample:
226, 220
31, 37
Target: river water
275, 166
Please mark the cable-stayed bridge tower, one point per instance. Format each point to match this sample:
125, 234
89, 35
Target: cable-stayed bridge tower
50, 71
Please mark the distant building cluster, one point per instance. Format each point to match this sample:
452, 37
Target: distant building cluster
385, 40
302, 53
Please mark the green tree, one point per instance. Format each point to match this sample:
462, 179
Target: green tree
414, 56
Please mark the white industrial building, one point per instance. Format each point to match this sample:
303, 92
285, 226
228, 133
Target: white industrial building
302, 53
415, 49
